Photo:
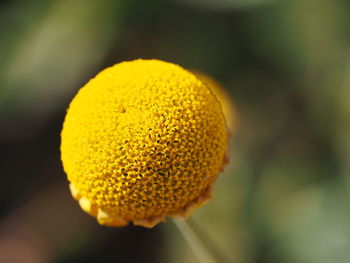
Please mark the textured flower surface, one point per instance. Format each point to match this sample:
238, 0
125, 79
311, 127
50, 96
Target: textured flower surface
141, 141
223, 97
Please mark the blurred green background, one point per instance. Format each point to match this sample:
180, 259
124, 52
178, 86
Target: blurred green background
286, 65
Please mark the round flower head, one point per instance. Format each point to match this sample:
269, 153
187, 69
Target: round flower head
223, 97
141, 141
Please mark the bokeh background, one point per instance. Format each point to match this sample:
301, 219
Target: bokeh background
285, 65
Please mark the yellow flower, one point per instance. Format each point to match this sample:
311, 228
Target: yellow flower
223, 97
141, 141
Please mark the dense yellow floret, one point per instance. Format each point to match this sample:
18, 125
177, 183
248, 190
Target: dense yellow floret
224, 99
143, 140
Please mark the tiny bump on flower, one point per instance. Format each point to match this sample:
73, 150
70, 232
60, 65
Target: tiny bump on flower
142, 141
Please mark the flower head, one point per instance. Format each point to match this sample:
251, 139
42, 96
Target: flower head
141, 141
224, 99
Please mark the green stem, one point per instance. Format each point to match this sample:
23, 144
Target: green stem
203, 253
